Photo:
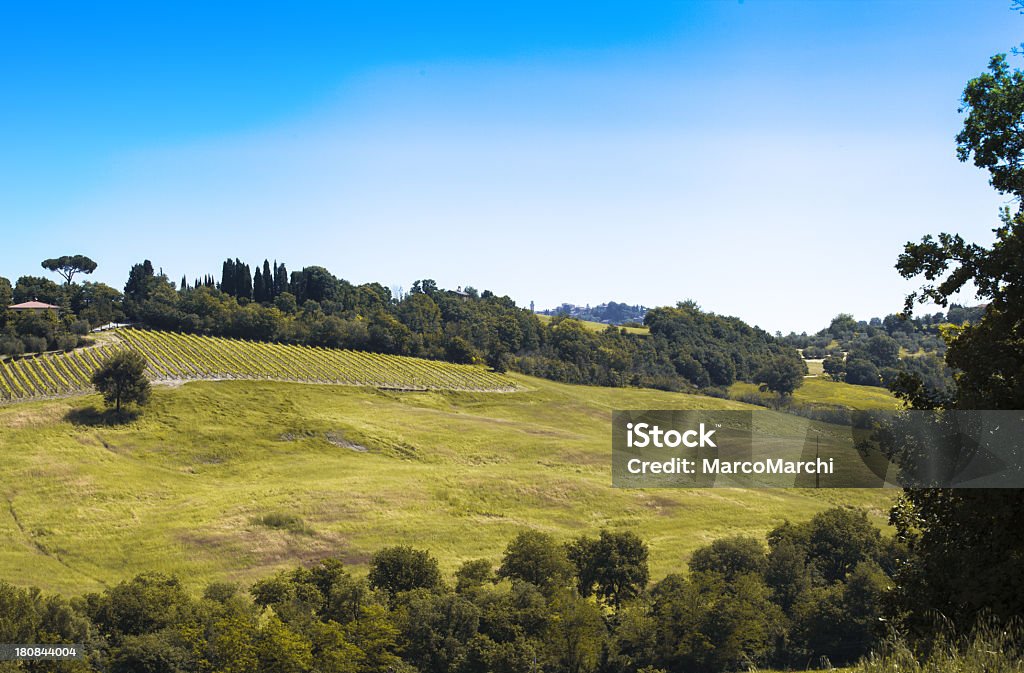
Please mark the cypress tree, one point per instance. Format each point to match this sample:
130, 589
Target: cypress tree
243, 280
258, 290
229, 278
268, 282
280, 279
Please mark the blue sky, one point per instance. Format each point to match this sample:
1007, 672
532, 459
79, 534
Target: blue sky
766, 159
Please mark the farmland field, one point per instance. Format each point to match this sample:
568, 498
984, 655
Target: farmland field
183, 357
597, 326
189, 486
822, 391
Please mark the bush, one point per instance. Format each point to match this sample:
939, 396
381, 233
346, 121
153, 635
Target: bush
34, 344
284, 521
11, 346
66, 342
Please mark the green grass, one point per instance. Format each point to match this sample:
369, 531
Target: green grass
597, 326
823, 391
187, 486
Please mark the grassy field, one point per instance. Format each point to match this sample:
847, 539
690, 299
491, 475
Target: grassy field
821, 390
233, 480
598, 327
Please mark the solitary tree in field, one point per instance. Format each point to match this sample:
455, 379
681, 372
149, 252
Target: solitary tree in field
69, 265
122, 380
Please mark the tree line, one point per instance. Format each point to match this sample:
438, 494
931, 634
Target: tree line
687, 348
581, 606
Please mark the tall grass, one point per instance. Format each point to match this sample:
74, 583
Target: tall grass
989, 648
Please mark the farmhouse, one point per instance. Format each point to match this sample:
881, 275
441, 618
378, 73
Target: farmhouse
33, 306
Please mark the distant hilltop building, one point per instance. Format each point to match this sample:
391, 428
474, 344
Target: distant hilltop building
611, 313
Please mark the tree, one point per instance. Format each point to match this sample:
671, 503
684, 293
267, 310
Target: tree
731, 557
536, 558
139, 281
783, 374
69, 265
615, 564
472, 574
835, 367
31, 288
122, 380
228, 278
967, 549
861, 372
258, 290
401, 568
268, 283
243, 280
6, 293
280, 279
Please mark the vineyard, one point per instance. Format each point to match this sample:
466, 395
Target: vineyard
185, 357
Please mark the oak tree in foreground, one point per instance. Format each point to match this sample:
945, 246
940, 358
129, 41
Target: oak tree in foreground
122, 380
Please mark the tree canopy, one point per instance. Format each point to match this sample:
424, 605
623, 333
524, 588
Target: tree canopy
68, 266
968, 550
122, 379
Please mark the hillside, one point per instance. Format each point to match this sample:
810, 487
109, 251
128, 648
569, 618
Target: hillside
820, 391
191, 486
176, 357
597, 326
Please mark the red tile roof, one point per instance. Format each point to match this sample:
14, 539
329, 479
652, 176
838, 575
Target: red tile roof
31, 305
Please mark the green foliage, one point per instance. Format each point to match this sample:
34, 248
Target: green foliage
880, 350
614, 566
285, 521
121, 379
990, 135
34, 288
730, 557
782, 374
321, 619
473, 574
966, 544
68, 266
835, 367
990, 647
704, 623
862, 373
401, 568
536, 558
833, 541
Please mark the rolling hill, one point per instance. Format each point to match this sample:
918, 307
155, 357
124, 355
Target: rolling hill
233, 479
176, 357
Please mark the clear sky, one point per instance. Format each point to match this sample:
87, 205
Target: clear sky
767, 159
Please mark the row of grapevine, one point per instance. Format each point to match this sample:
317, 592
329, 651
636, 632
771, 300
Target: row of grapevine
173, 356
187, 357
51, 375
